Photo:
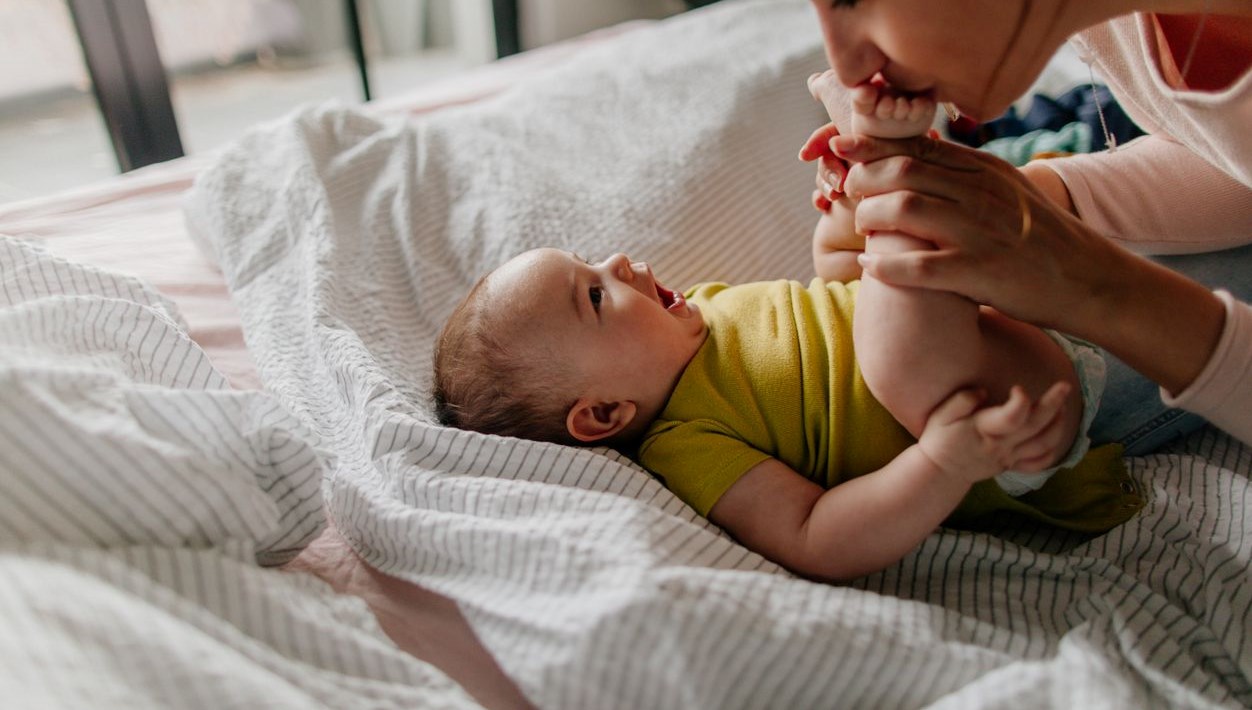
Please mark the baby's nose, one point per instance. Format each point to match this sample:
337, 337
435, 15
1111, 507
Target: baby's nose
622, 266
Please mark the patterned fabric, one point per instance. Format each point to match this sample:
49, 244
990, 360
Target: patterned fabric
139, 497
347, 241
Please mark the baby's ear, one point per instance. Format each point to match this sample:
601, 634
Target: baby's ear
590, 421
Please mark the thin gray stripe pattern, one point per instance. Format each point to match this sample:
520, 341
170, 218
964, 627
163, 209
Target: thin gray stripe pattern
347, 240
142, 503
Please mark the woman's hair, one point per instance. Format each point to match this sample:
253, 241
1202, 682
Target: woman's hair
488, 378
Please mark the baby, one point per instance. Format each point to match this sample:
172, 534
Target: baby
830, 444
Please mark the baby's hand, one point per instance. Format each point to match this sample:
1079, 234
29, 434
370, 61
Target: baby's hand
836, 243
880, 111
972, 444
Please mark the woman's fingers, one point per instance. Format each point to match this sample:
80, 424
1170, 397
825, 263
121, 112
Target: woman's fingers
831, 170
941, 270
818, 143
945, 194
944, 221
831, 175
867, 149
905, 172
821, 203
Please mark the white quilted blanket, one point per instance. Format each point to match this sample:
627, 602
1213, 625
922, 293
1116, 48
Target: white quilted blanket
346, 241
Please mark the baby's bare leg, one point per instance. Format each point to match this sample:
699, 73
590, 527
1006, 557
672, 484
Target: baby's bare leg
916, 347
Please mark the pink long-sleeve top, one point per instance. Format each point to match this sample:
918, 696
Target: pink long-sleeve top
1184, 188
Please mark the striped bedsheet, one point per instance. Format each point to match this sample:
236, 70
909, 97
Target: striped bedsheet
142, 502
347, 240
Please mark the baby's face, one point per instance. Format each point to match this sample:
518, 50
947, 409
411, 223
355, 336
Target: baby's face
626, 334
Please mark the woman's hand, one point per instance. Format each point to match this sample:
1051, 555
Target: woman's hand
831, 169
999, 240
1002, 243
835, 241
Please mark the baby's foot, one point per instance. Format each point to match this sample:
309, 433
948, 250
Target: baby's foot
878, 110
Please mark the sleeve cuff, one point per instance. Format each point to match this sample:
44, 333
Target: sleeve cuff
1225, 378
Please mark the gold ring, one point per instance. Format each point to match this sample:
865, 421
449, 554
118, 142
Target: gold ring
1023, 204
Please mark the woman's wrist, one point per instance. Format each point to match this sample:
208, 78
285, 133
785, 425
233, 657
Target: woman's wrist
1155, 320
1048, 182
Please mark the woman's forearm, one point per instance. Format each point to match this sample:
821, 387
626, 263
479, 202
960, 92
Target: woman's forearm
1158, 322
1155, 320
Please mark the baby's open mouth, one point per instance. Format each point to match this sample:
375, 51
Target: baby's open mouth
670, 300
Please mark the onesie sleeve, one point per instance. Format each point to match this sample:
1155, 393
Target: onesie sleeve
1155, 196
1222, 393
698, 460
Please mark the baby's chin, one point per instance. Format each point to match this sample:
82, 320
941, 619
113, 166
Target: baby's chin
697, 316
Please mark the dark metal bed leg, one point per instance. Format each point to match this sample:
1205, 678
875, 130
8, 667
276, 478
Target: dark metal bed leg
508, 38
128, 79
358, 45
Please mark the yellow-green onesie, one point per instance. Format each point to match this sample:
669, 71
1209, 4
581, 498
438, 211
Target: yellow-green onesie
777, 377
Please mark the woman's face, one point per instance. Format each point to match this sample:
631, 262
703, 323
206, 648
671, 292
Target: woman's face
958, 49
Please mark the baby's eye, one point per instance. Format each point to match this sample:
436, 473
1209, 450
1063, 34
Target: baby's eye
595, 293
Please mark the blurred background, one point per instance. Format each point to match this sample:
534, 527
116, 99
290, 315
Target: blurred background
227, 64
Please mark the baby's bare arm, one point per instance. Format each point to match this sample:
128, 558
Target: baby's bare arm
871, 522
849, 531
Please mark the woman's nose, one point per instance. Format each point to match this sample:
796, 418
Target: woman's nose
857, 64
853, 57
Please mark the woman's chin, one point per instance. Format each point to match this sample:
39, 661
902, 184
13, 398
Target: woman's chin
974, 114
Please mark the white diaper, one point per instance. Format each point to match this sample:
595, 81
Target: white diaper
1089, 365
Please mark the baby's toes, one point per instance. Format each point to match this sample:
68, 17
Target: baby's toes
886, 108
903, 107
921, 108
865, 99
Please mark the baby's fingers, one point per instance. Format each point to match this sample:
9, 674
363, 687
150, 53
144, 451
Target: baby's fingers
1007, 418
1037, 452
958, 406
1037, 438
1052, 401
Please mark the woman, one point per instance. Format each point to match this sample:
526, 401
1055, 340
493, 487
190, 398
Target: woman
1049, 245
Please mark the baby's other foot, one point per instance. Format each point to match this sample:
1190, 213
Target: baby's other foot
878, 110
